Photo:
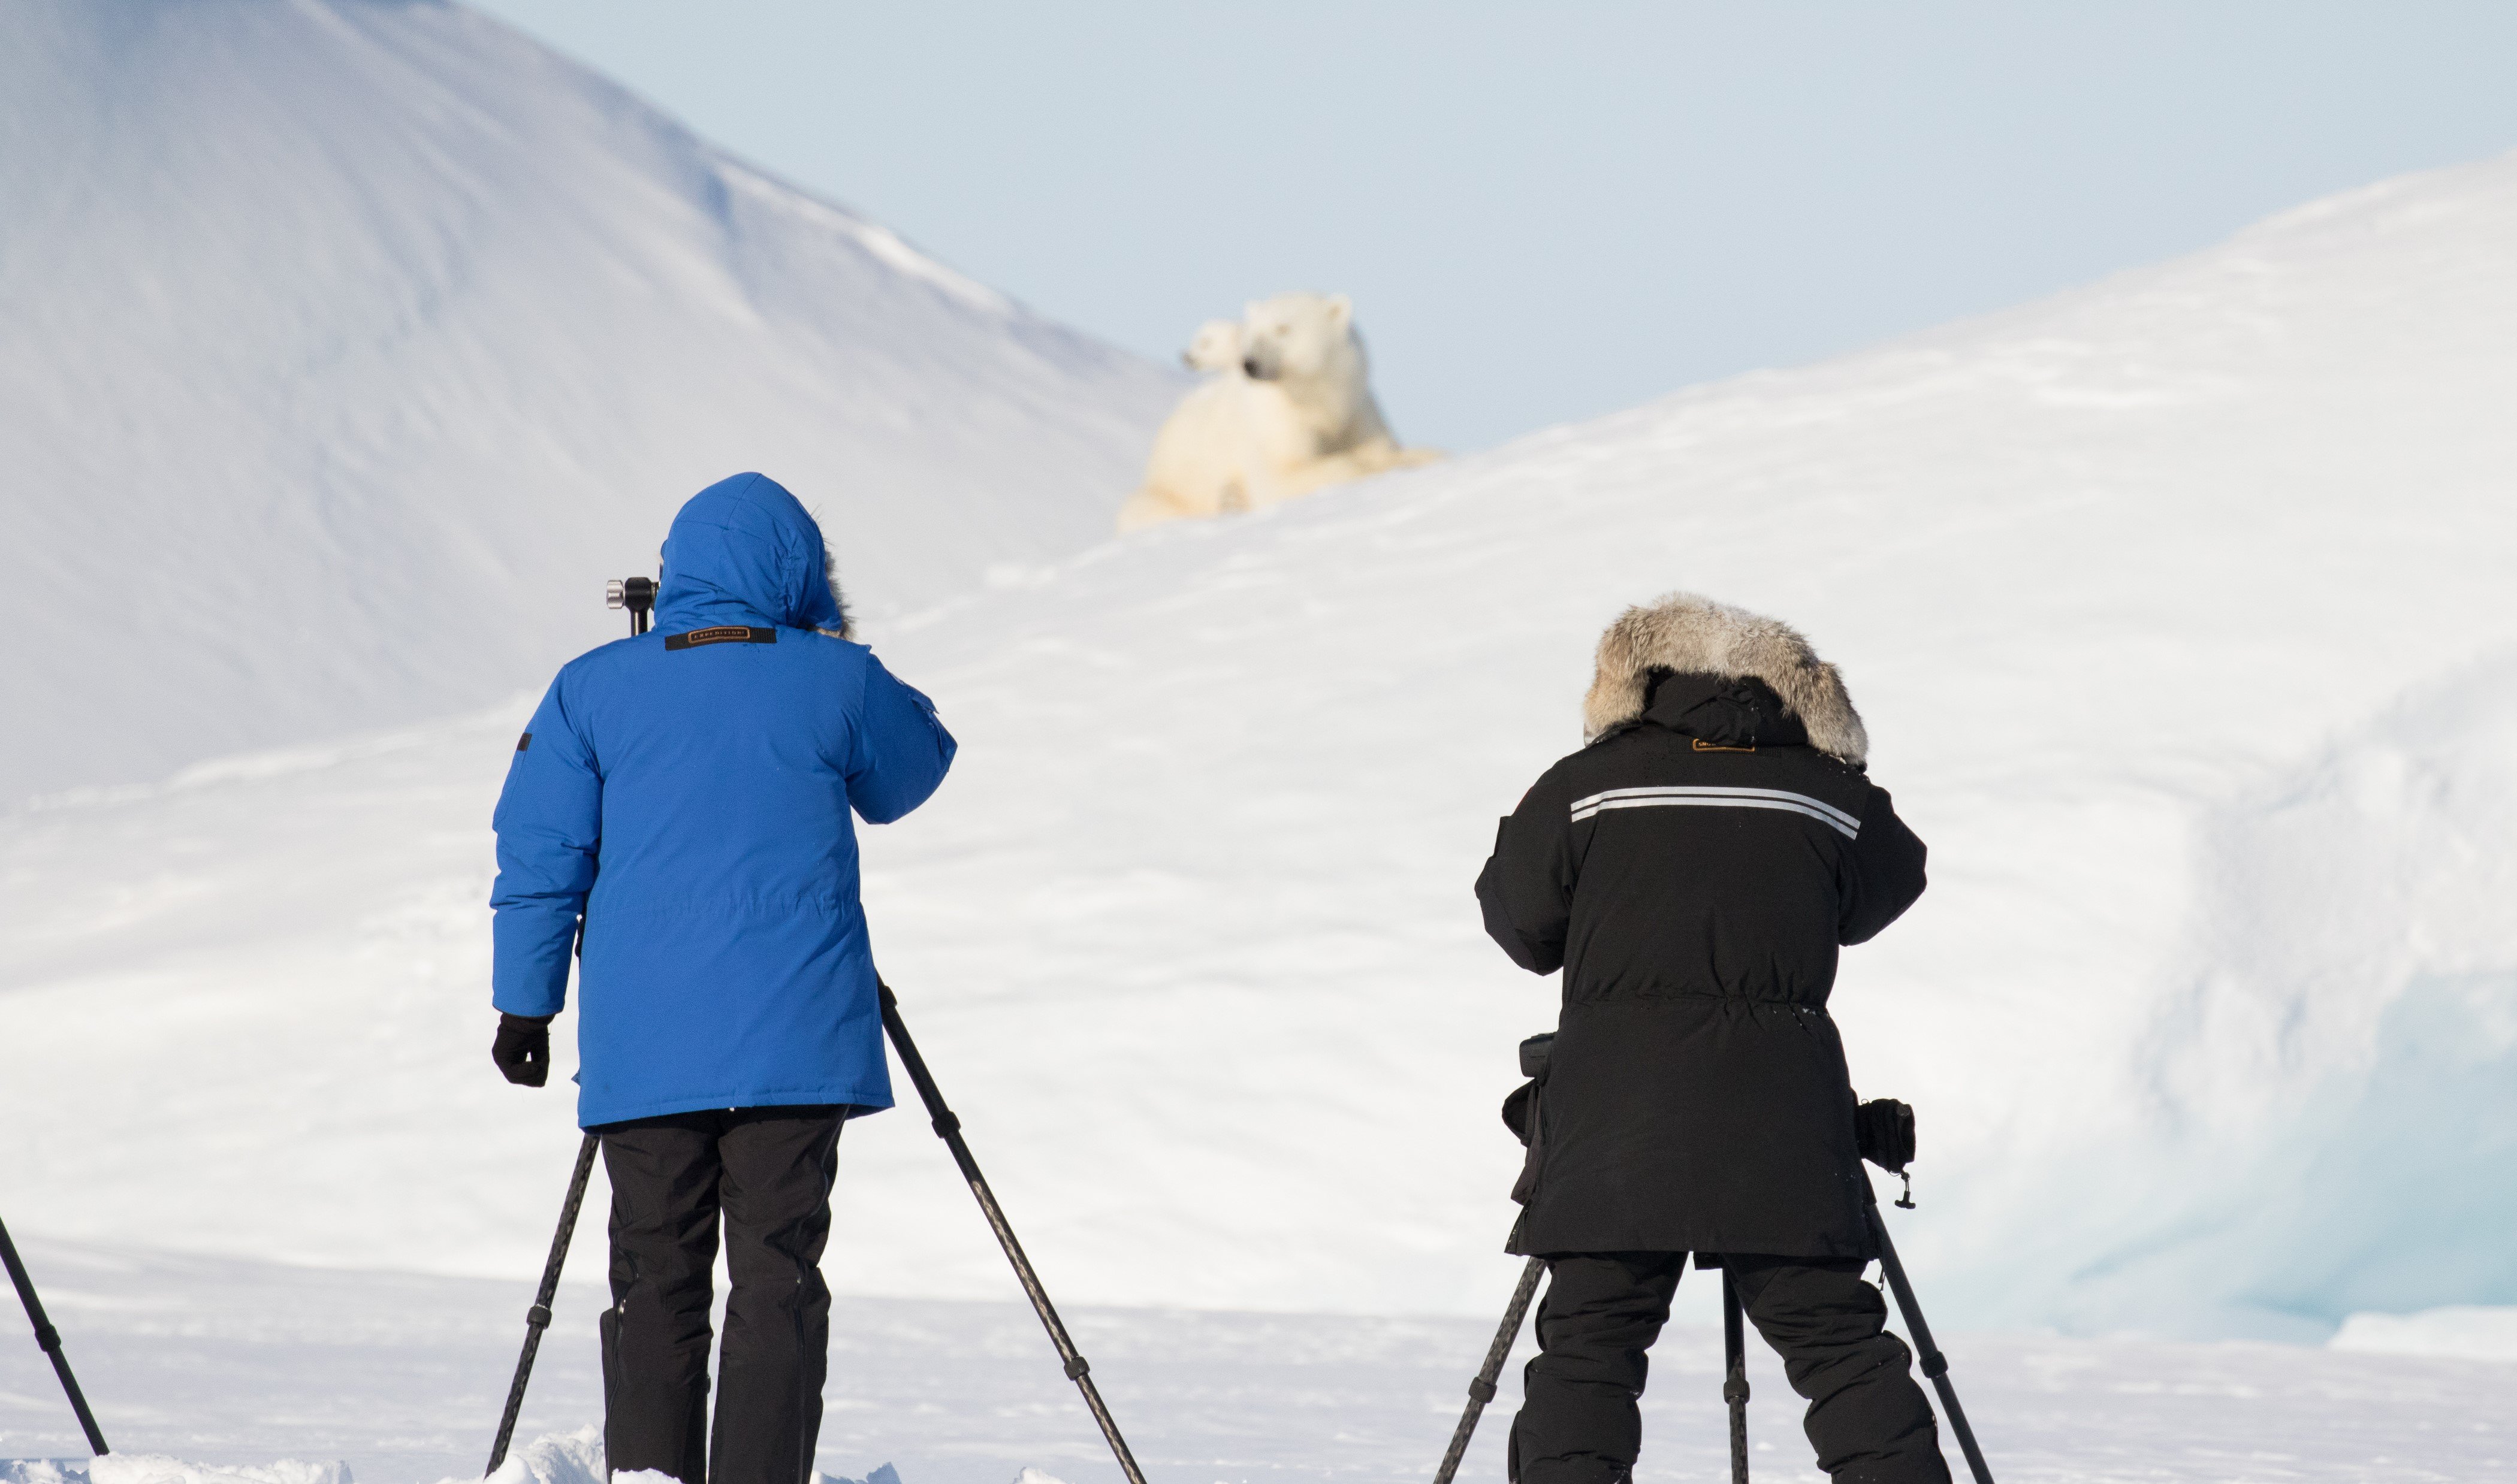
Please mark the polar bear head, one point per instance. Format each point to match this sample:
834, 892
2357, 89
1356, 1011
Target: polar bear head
1216, 347
1302, 339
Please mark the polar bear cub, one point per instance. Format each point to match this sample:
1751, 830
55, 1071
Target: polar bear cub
1199, 466
1287, 410
1216, 347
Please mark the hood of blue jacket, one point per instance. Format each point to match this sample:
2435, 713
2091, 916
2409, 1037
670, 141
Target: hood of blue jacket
745, 551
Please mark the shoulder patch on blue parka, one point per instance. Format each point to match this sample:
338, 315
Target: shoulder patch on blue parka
730, 633
523, 741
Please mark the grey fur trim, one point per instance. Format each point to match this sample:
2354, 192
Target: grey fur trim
1695, 635
847, 628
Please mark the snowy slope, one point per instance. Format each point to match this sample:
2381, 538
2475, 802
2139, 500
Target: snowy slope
347, 347
2178, 609
2180, 612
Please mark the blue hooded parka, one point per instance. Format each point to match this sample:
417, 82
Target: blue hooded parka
687, 793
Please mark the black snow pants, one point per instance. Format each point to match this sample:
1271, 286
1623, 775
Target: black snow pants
769, 1171
1578, 1423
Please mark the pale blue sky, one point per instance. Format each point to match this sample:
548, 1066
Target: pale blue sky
1548, 212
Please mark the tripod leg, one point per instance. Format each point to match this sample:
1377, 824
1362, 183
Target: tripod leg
949, 1128
1935, 1364
1482, 1390
50, 1340
539, 1317
1735, 1375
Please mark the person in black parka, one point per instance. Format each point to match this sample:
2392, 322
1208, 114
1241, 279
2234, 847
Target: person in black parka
1694, 871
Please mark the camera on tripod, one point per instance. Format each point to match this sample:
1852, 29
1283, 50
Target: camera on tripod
636, 594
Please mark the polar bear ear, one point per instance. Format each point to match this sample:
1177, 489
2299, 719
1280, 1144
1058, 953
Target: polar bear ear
1341, 310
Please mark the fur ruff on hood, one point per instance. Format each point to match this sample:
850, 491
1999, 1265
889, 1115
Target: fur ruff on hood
847, 628
1695, 635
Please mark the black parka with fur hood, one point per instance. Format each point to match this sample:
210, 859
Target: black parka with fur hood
1694, 871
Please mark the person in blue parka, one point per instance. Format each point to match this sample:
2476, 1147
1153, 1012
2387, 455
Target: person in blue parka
676, 818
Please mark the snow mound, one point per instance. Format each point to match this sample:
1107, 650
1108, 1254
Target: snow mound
561, 1458
2176, 607
354, 344
2337, 1068
2460, 1331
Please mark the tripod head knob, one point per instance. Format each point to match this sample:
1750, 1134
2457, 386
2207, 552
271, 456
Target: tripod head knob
636, 594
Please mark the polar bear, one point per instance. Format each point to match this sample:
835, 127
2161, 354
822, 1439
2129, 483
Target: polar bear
1312, 418
1295, 414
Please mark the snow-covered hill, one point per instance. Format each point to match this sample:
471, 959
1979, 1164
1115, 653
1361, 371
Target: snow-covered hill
2181, 614
2178, 608
348, 346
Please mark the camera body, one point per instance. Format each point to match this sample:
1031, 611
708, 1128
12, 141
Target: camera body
1885, 1130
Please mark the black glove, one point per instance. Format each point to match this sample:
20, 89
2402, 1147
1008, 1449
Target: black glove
523, 1049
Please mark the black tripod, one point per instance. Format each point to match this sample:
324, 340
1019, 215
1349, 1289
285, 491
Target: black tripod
946, 1128
638, 596
1735, 1360
1482, 1390
539, 1317
1734, 1372
50, 1340
1935, 1364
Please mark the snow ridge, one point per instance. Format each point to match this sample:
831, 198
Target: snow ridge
354, 344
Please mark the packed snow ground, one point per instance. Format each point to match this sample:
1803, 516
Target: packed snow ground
225, 1363
2178, 608
352, 345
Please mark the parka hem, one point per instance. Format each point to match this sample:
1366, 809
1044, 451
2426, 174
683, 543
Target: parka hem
1823, 1248
858, 1099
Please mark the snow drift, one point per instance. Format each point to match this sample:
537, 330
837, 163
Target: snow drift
2460, 1330
351, 344
2177, 609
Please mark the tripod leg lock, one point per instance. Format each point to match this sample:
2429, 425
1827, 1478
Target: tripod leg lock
1480, 1390
1078, 1369
1934, 1365
1735, 1390
538, 1316
947, 1123
48, 1340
